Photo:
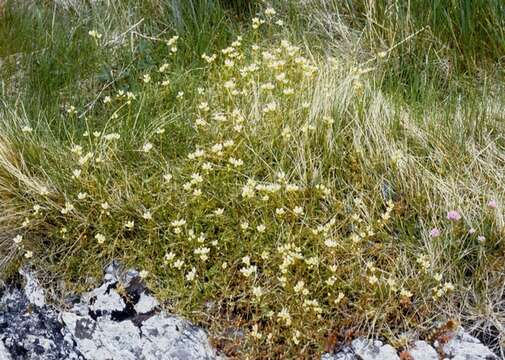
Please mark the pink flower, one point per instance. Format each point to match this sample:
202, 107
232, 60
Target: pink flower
481, 238
453, 215
472, 231
434, 233
492, 204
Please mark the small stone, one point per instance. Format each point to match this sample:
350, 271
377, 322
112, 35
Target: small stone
4, 353
146, 304
33, 290
423, 351
345, 354
368, 350
463, 346
108, 302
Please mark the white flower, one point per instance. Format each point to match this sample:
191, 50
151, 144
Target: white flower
17, 239
298, 210
29, 254
216, 148
246, 260
247, 191
82, 195
144, 274
178, 223
76, 173
288, 91
244, 225
255, 333
236, 162
163, 68
207, 166
219, 211
284, 316
178, 264
270, 11
200, 122
299, 287
331, 280
84, 159
248, 271
257, 291
270, 107
167, 177
330, 243
339, 297
448, 287
68, 208
100, 238
292, 187
147, 215
190, 276
372, 279
147, 147
129, 224
95, 34
169, 256
405, 293
261, 228
196, 178
76, 149
280, 211
109, 137
172, 40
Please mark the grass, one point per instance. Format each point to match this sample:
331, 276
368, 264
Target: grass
297, 185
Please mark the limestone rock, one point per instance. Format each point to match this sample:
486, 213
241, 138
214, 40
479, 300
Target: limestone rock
463, 346
29, 331
104, 324
127, 325
423, 351
376, 350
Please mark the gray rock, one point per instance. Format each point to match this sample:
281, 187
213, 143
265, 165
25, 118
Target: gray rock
345, 354
4, 353
376, 350
29, 331
127, 326
146, 304
103, 324
463, 346
33, 290
423, 351
106, 302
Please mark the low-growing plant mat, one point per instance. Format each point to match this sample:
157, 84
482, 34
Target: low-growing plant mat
262, 187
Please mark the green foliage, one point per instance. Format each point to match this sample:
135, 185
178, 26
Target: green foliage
314, 146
